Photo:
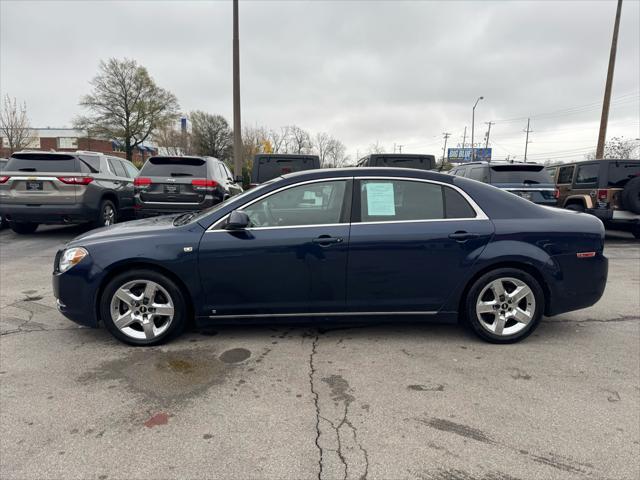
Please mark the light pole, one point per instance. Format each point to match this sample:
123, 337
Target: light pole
473, 124
237, 124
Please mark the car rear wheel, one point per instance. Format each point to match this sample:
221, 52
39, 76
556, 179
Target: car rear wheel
107, 214
504, 306
143, 307
23, 228
631, 195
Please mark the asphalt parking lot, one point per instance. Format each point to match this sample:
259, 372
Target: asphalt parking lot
378, 401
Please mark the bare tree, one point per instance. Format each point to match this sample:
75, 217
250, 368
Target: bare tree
299, 140
211, 135
620, 148
14, 124
278, 140
173, 141
126, 104
376, 148
336, 153
321, 146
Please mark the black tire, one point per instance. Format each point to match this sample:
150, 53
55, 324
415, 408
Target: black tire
23, 228
631, 195
576, 207
107, 214
176, 325
471, 317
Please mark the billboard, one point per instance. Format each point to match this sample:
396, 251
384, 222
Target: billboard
461, 155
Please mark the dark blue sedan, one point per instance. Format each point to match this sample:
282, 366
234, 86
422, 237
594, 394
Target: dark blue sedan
343, 243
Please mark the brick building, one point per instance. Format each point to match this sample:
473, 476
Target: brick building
70, 140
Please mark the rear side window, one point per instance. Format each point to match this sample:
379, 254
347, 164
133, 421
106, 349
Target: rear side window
587, 174
565, 174
42, 162
398, 200
621, 172
478, 173
456, 206
175, 167
117, 167
131, 169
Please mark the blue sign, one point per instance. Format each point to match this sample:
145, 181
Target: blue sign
462, 155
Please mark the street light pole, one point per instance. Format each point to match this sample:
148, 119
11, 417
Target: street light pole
473, 122
237, 124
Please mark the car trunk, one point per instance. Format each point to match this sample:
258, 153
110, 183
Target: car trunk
40, 178
174, 180
531, 182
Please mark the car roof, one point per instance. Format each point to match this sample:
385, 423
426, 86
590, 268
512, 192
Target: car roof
580, 162
368, 172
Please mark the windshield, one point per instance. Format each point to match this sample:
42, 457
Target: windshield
175, 167
200, 215
527, 174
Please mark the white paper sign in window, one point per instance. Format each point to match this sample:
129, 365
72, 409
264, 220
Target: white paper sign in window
380, 199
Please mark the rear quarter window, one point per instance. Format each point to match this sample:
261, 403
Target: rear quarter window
42, 162
587, 174
621, 172
175, 167
565, 175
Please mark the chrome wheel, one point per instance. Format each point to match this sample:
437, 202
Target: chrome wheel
506, 306
142, 309
108, 215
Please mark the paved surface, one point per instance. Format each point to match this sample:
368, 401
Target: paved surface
390, 401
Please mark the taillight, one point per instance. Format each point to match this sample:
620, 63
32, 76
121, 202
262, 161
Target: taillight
602, 195
4, 179
203, 183
556, 193
76, 180
142, 182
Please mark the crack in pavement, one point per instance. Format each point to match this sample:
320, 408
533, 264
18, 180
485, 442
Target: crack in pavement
347, 444
625, 318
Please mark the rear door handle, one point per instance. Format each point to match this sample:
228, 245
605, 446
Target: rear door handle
326, 240
463, 236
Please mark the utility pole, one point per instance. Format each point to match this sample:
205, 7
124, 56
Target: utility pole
486, 143
526, 144
464, 138
394, 148
444, 149
604, 119
237, 124
400, 148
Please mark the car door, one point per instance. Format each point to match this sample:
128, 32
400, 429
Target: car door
120, 181
291, 260
234, 187
130, 172
411, 243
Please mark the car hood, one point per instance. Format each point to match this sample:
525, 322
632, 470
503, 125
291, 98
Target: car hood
136, 228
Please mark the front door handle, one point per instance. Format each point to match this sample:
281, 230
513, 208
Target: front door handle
461, 236
326, 240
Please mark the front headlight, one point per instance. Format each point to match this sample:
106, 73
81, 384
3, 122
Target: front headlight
71, 257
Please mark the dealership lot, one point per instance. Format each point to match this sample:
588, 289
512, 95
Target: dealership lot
294, 401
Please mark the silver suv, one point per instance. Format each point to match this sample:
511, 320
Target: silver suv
65, 188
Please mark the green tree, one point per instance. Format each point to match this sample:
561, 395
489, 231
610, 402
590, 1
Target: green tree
211, 135
126, 104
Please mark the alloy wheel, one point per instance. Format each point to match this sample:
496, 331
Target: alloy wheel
142, 309
506, 306
108, 215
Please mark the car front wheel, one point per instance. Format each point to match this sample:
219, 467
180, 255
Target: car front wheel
504, 305
143, 307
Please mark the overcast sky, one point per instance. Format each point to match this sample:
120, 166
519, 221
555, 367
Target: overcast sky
365, 71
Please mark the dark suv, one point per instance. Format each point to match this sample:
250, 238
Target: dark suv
527, 180
401, 160
64, 188
169, 184
267, 166
608, 189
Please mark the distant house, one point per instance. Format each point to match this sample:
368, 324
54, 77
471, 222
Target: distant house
70, 140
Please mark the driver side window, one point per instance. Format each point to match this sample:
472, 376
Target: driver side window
310, 204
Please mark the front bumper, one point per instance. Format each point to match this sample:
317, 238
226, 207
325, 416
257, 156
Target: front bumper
48, 214
75, 291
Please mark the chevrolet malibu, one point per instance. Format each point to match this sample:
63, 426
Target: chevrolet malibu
384, 243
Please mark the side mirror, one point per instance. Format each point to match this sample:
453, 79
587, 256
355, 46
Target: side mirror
238, 220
